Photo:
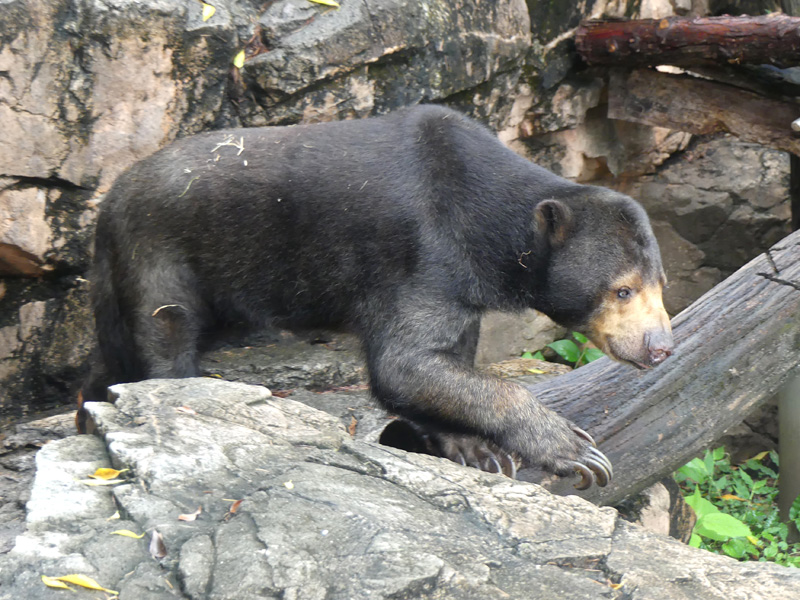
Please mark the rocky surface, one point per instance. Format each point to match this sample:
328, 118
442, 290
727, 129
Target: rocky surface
324, 515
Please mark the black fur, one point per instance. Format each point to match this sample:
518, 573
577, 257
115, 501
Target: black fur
402, 229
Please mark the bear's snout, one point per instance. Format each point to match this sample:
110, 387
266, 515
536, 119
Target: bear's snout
659, 347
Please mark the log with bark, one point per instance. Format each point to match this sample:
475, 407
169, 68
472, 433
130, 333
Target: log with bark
682, 41
736, 347
700, 106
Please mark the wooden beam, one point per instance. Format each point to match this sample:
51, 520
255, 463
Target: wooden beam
700, 106
736, 347
684, 41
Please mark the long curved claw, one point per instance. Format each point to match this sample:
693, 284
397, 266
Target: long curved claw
587, 477
582, 434
600, 472
509, 466
603, 460
491, 461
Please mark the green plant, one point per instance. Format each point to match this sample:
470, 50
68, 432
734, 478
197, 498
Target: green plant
735, 507
570, 351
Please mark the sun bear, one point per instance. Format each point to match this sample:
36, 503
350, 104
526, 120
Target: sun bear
401, 229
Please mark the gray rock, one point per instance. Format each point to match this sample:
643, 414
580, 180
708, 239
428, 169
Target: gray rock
325, 516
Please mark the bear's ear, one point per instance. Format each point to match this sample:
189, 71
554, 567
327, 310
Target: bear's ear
552, 219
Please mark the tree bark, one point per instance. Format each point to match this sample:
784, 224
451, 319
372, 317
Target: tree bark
699, 106
736, 347
681, 41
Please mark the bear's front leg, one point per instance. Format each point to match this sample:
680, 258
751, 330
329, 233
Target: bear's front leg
434, 388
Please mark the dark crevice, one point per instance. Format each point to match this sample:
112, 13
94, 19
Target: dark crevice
775, 279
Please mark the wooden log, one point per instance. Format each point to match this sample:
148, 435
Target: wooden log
683, 41
699, 106
735, 348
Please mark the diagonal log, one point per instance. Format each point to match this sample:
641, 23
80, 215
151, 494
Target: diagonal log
735, 348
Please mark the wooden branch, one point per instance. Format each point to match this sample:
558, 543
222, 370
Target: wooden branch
699, 106
735, 348
681, 41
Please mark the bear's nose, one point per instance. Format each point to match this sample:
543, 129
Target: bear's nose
659, 347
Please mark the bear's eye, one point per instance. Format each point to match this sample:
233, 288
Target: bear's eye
624, 293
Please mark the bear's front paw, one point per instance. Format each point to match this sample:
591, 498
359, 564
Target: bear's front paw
593, 466
464, 449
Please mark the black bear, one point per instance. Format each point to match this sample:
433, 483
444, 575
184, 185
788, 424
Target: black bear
402, 229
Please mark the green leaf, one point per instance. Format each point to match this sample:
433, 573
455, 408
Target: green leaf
526, 355
592, 354
737, 547
566, 349
700, 505
794, 510
718, 453
538, 355
721, 527
582, 339
695, 470
695, 540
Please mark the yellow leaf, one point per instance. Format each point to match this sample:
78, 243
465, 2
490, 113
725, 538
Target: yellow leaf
127, 533
731, 497
755, 541
113, 517
55, 583
289, 485
208, 11
84, 581
326, 2
535, 371
760, 455
107, 473
238, 61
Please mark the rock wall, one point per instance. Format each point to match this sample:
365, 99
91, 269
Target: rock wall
87, 87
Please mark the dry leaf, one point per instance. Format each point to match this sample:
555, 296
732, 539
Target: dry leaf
535, 371
208, 11
760, 455
113, 517
55, 583
84, 581
192, 516
352, 428
234, 507
127, 533
731, 497
326, 2
238, 60
157, 548
187, 410
105, 473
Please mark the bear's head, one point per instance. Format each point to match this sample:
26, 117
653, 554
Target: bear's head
602, 274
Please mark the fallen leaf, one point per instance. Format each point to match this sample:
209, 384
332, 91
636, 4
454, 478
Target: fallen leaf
238, 60
157, 548
615, 586
191, 516
731, 497
106, 473
234, 507
208, 11
186, 409
55, 583
84, 581
535, 371
352, 429
326, 2
289, 485
127, 533
113, 517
